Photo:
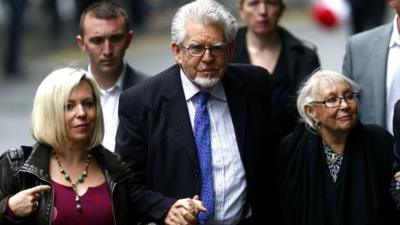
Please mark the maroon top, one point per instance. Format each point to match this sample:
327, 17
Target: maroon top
96, 206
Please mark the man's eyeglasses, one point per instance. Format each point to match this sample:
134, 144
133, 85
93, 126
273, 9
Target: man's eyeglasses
198, 50
333, 102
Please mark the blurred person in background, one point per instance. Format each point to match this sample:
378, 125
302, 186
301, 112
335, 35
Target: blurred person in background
138, 10
335, 170
105, 35
372, 60
204, 127
68, 176
366, 14
264, 43
15, 34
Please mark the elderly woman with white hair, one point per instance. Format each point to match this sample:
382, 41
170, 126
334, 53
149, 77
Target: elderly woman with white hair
334, 169
68, 176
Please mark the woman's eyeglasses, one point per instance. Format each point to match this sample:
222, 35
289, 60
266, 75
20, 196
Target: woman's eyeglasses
333, 102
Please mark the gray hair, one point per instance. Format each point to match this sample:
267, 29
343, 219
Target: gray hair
307, 92
47, 119
206, 12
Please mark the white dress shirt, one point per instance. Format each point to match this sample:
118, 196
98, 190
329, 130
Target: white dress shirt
392, 75
109, 102
228, 171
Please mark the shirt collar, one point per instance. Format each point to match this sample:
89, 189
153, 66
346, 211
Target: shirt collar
395, 39
117, 84
190, 89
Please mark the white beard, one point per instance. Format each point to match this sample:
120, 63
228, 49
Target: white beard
206, 83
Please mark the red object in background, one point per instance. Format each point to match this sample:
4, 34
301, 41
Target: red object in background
324, 15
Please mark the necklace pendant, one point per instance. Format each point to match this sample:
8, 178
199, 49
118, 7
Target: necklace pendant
78, 206
78, 203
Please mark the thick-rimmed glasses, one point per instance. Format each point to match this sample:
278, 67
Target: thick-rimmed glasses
333, 102
198, 50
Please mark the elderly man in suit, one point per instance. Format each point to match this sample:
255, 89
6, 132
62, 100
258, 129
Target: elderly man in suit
372, 60
203, 126
105, 35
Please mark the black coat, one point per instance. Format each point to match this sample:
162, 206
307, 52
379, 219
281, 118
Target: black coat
360, 195
295, 63
27, 167
396, 165
155, 136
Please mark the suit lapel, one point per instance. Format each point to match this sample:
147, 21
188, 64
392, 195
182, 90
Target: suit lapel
129, 79
380, 47
177, 115
237, 106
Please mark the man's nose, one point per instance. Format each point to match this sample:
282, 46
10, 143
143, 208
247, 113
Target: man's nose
107, 47
207, 55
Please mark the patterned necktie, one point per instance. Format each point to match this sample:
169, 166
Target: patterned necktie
203, 144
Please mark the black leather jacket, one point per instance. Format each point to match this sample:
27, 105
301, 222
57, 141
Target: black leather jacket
27, 167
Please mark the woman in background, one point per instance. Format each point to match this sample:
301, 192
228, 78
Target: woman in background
264, 43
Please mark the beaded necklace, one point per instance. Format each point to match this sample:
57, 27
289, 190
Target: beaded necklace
80, 179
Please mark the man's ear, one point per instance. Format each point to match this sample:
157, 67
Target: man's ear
130, 37
391, 3
177, 51
79, 40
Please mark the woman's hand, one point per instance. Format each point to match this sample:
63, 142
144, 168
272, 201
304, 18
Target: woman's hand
184, 211
27, 201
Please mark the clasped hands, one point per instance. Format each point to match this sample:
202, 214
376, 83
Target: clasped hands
184, 211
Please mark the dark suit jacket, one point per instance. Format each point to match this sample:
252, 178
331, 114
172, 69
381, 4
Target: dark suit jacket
155, 136
396, 165
132, 77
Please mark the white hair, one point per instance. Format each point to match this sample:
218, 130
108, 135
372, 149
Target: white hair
206, 12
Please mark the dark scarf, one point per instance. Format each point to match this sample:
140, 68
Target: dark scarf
363, 181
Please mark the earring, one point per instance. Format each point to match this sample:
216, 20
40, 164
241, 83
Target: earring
317, 125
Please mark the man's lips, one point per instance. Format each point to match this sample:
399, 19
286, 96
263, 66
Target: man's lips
107, 61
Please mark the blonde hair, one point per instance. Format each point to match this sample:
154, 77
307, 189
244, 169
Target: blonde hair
47, 119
